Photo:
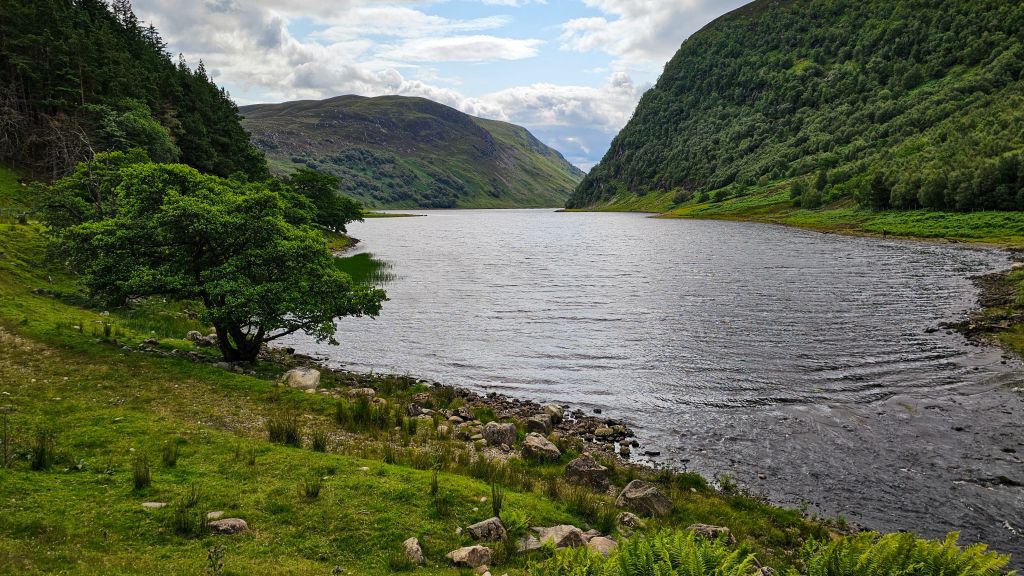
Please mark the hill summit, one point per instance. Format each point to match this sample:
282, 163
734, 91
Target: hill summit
401, 152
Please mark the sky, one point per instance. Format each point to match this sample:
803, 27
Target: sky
571, 71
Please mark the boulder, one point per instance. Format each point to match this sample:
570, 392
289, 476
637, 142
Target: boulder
587, 472
462, 412
194, 336
644, 498
602, 545
540, 423
362, 393
629, 520
413, 551
302, 378
562, 536
490, 530
556, 412
709, 532
604, 433
528, 544
537, 446
228, 526
215, 515
497, 434
470, 556
414, 410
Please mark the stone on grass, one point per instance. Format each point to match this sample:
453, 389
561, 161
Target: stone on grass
528, 544
563, 536
470, 556
644, 498
537, 446
629, 520
153, 505
413, 551
497, 434
602, 545
302, 378
228, 526
709, 532
216, 515
490, 530
587, 472
362, 392
540, 423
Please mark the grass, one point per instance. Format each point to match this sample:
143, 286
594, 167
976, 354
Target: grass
771, 203
88, 406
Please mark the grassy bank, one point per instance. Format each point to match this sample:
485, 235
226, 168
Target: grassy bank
772, 204
108, 409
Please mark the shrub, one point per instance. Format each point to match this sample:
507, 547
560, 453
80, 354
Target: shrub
666, 552
399, 562
898, 554
311, 486
169, 454
284, 430
319, 441
141, 477
42, 451
497, 499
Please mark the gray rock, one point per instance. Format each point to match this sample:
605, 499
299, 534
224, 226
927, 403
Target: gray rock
413, 551
194, 336
470, 556
537, 446
644, 498
629, 520
587, 472
414, 410
602, 545
362, 392
497, 434
562, 536
215, 515
302, 378
228, 526
528, 544
490, 530
709, 532
604, 433
153, 505
556, 412
540, 423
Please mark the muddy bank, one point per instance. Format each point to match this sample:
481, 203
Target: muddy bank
999, 309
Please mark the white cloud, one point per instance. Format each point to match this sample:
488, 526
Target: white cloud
461, 49
278, 50
641, 32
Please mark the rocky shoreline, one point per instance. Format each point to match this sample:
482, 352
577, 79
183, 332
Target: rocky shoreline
998, 309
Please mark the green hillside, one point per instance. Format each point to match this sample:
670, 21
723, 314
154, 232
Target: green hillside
399, 152
900, 105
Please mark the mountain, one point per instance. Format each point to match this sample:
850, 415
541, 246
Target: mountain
400, 152
914, 104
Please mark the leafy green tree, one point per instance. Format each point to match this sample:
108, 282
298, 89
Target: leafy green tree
176, 233
333, 211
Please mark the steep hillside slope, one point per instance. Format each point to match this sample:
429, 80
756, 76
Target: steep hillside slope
400, 152
895, 104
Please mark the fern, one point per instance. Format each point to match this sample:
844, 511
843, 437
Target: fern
869, 554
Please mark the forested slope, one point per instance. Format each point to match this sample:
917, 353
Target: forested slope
906, 104
82, 77
400, 152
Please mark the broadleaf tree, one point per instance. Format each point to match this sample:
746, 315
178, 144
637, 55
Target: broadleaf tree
180, 234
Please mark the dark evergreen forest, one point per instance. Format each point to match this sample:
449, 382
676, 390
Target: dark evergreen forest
78, 77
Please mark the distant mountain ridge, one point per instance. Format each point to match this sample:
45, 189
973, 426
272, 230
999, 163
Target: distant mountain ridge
402, 152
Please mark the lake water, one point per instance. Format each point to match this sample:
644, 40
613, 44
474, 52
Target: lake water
801, 364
